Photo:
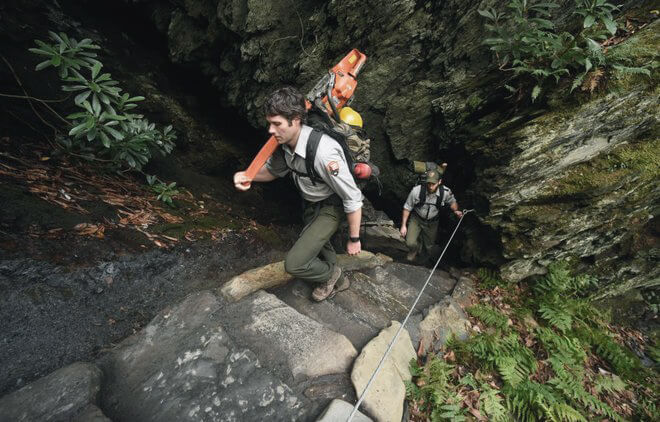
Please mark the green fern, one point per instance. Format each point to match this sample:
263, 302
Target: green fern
527, 399
562, 345
557, 317
490, 278
609, 383
492, 405
561, 412
644, 70
448, 412
513, 361
489, 316
623, 361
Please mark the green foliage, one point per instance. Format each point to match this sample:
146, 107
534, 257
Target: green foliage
539, 373
489, 316
569, 349
105, 128
527, 42
622, 360
165, 191
609, 383
66, 53
490, 278
558, 297
492, 404
594, 11
505, 354
437, 393
530, 401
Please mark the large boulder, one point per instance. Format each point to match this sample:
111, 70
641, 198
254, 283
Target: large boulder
62, 395
384, 399
183, 366
444, 319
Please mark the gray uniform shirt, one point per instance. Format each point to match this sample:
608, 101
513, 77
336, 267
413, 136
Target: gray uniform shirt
329, 160
425, 210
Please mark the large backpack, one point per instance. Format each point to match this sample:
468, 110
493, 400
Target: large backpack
352, 139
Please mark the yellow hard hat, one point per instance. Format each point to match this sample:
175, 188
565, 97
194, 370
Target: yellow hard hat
350, 116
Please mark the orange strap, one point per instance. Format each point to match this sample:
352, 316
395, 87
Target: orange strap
262, 156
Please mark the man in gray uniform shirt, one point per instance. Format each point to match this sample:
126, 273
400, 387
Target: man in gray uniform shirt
425, 214
312, 258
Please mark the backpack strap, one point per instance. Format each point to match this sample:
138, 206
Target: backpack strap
422, 200
310, 155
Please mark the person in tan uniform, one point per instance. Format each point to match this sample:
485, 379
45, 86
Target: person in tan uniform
419, 221
328, 195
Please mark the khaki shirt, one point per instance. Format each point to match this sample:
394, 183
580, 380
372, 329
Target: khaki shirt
425, 210
329, 156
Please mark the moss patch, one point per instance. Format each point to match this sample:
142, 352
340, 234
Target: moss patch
639, 51
641, 160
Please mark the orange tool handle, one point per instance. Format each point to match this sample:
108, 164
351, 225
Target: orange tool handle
265, 152
262, 156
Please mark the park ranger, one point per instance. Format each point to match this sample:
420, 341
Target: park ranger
421, 229
327, 196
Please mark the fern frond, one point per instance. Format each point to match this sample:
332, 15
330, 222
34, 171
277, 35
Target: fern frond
561, 345
489, 278
489, 316
492, 405
557, 317
609, 383
564, 412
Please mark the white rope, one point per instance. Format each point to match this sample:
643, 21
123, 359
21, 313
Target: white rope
396, 336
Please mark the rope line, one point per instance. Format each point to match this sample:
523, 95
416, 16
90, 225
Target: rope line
396, 336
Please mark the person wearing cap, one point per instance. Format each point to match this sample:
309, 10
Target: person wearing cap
419, 222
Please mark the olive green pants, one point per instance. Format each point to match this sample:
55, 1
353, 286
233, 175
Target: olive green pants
421, 234
312, 258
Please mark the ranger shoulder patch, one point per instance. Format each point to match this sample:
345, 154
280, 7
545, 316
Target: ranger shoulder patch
333, 168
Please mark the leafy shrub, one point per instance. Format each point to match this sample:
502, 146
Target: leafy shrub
106, 127
526, 41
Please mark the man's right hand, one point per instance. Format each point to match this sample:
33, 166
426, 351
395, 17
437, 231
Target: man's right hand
403, 230
241, 181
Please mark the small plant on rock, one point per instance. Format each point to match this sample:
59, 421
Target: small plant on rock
526, 41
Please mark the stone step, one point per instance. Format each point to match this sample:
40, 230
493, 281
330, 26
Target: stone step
297, 294
376, 297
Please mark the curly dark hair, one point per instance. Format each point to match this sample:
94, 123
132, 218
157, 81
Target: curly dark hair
287, 102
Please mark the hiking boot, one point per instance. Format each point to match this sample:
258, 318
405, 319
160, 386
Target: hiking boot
411, 256
343, 284
324, 290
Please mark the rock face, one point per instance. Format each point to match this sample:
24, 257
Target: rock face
70, 393
339, 411
444, 100
579, 182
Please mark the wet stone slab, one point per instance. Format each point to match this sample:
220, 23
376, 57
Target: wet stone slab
183, 366
295, 345
61, 395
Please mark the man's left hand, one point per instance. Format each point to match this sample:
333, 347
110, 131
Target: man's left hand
353, 248
458, 213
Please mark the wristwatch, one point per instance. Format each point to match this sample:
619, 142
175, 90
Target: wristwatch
354, 239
